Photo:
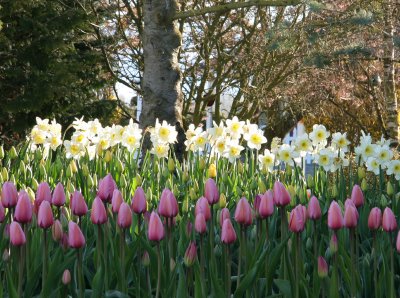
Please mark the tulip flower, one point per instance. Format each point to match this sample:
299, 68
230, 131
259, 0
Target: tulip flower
297, 219
333, 244
335, 219
375, 219
2, 213
203, 207
139, 204
228, 234
200, 223
57, 231
389, 223
124, 219
45, 215
106, 188
156, 228
243, 214
98, 215
398, 242
211, 191
357, 196
190, 254
314, 210
9, 195
322, 267
17, 235
350, 217
58, 198
23, 210
281, 194
256, 204
168, 206
78, 204
66, 278
75, 236
116, 200
43, 193
224, 214
266, 207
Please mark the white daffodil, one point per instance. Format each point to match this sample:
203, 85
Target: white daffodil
73, 150
365, 150
131, 137
339, 160
255, 137
324, 158
160, 150
216, 132
38, 136
286, 154
393, 168
42, 124
275, 144
383, 154
200, 141
373, 165
319, 135
248, 127
163, 133
79, 137
234, 127
340, 141
303, 144
94, 128
233, 150
103, 141
219, 146
54, 128
80, 124
116, 132
191, 134
54, 141
267, 160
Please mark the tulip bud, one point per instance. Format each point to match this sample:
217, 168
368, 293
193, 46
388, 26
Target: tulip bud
45, 215
9, 195
243, 213
192, 194
222, 201
314, 210
1, 152
138, 180
202, 164
364, 185
85, 169
228, 234
168, 206
212, 171
190, 254
310, 181
185, 205
75, 236
17, 235
119, 165
309, 243
298, 217
185, 177
23, 210
322, 267
4, 174
42, 170
13, 153
98, 215
389, 223
240, 167
116, 200
57, 231
139, 203
66, 278
389, 188
398, 242
155, 228
2, 213
69, 173
282, 196
22, 167
361, 173
261, 186
375, 218
200, 223
266, 207
146, 259
171, 165
335, 219
211, 191
108, 156
122, 181
124, 216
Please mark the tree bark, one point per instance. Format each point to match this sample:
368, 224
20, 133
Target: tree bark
389, 87
162, 95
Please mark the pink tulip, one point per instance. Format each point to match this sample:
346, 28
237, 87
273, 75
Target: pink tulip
190, 254
17, 235
156, 228
189, 228
116, 200
281, 194
314, 210
211, 191
9, 195
58, 195
350, 217
333, 244
256, 204
98, 215
224, 215
200, 223
57, 231
389, 223
75, 236
139, 203
124, 216
398, 242
375, 218
322, 267
43, 193
228, 234
357, 196
78, 204
168, 206
66, 278
106, 188
2, 213
297, 219
349, 202
23, 210
243, 213
45, 215
203, 207
266, 207
335, 219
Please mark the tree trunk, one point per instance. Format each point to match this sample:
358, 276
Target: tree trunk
389, 87
162, 95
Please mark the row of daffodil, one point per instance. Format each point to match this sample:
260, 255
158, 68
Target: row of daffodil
225, 139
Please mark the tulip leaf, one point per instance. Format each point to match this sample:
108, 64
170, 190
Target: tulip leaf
115, 294
284, 287
197, 285
12, 292
97, 283
273, 262
218, 291
182, 283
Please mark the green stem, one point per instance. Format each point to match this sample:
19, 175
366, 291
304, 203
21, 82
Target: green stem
105, 257
45, 259
99, 246
228, 272
240, 258
353, 281
283, 236
298, 264
375, 265
80, 274
202, 259
159, 270
392, 290
21, 269
139, 254
122, 255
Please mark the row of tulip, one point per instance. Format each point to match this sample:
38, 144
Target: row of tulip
127, 250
